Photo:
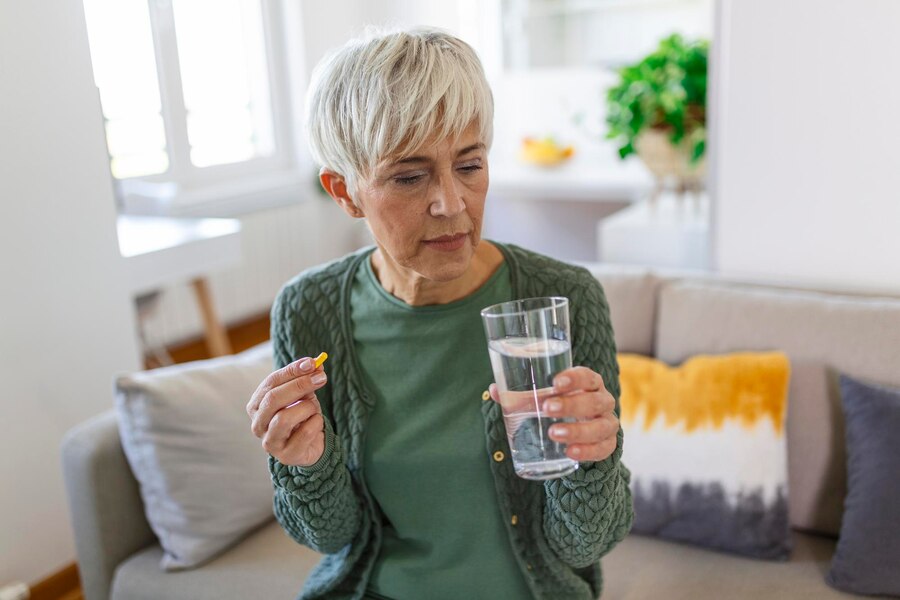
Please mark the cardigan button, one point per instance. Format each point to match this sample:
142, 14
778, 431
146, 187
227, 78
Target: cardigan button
486, 395
514, 520
499, 456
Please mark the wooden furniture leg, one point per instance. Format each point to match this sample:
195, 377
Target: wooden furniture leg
216, 337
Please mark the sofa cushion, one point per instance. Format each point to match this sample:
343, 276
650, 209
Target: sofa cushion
267, 564
859, 336
867, 560
631, 294
203, 475
645, 568
817, 457
706, 450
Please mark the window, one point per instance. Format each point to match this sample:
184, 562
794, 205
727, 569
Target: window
189, 92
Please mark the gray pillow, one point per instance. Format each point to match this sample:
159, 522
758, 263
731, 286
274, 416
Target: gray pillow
203, 475
867, 558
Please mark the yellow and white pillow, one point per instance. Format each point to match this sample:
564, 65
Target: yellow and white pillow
705, 443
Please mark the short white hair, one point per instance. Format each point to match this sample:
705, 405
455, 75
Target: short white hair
387, 92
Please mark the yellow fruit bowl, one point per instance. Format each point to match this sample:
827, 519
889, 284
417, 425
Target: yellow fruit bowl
544, 152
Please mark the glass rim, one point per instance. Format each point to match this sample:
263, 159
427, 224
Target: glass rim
556, 301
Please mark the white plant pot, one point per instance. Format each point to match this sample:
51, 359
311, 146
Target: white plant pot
668, 162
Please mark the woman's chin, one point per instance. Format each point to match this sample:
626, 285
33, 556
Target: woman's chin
444, 266
444, 272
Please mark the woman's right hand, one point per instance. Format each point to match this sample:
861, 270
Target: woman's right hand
286, 415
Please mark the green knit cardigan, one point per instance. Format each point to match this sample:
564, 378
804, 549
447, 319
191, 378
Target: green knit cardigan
563, 526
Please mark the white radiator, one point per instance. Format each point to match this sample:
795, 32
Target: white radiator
276, 244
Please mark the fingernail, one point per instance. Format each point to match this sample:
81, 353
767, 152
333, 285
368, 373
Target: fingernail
318, 378
560, 431
575, 451
562, 382
552, 405
306, 364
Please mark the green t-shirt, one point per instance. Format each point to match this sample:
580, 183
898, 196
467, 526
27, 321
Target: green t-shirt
426, 460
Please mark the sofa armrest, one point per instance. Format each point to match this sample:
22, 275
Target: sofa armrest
105, 505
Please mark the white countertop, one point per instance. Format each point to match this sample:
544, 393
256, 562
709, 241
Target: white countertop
161, 250
583, 178
143, 235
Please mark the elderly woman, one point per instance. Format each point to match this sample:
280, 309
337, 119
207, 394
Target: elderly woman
391, 464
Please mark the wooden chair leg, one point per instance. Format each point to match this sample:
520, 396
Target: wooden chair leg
216, 337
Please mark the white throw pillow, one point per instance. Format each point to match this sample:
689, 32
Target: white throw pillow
203, 474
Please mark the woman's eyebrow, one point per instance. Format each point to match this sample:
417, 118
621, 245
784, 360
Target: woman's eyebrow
421, 159
467, 149
410, 159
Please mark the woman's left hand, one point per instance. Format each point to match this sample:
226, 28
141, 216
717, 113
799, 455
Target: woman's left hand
579, 392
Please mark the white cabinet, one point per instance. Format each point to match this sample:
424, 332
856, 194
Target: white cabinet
564, 33
671, 231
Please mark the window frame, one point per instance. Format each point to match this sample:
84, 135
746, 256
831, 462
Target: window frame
185, 189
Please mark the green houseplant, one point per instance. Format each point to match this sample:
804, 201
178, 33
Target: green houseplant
658, 110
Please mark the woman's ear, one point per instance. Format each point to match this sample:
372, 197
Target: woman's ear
336, 186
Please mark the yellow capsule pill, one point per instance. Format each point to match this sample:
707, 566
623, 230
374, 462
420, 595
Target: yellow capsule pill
321, 359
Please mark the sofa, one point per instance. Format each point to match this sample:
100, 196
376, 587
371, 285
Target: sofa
666, 314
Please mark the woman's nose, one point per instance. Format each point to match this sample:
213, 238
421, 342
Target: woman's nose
447, 198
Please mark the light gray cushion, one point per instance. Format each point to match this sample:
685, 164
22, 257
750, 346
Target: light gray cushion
631, 294
203, 475
645, 568
267, 564
855, 335
858, 336
817, 458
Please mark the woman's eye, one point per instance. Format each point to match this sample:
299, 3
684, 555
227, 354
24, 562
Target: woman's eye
408, 179
470, 168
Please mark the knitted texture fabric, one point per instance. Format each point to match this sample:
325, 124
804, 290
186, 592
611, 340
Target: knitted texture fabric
562, 526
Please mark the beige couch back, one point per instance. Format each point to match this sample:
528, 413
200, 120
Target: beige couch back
824, 334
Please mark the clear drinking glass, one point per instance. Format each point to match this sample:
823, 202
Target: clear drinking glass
529, 343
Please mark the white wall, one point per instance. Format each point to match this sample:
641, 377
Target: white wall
808, 159
327, 25
65, 317
408, 13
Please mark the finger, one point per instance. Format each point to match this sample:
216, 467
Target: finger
310, 398
307, 429
307, 443
518, 401
577, 378
592, 452
581, 405
298, 368
585, 432
285, 422
284, 395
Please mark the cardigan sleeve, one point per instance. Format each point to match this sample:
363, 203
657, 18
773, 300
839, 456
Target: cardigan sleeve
315, 505
588, 512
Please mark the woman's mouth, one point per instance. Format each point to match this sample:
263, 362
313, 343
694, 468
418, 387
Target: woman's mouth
447, 243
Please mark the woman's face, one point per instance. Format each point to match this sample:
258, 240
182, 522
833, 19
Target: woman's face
425, 210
